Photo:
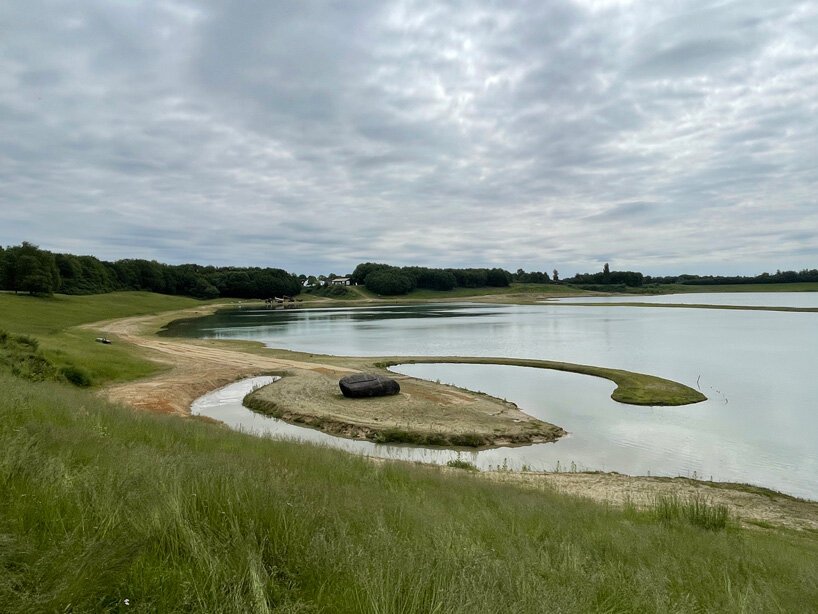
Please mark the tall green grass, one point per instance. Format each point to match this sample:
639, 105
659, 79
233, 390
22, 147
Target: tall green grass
697, 511
99, 505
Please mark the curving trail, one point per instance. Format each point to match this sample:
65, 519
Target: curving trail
193, 368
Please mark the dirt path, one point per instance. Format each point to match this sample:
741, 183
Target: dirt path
197, 367
193, 368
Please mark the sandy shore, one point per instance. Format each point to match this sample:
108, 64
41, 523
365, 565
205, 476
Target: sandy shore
197, 367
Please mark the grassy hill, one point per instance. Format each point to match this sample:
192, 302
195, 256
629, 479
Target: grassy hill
53, 324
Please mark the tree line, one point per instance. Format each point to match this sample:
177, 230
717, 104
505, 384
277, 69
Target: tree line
388, 280
779, 277
635, 279
27, 268
607, 277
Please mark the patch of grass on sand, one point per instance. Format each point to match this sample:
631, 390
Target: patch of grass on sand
632, 388
697, 511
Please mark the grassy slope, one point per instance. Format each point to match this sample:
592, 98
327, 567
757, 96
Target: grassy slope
54, 321
99, 505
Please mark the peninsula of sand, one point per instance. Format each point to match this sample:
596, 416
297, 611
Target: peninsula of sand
307, 393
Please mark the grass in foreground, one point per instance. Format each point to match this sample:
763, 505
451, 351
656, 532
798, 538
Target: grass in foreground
99, 505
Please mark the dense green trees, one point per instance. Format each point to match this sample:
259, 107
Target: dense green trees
26, 268
631, 279
389, 280
532, 277
365, 268
84, 275
431, 279
498, 278
779, 277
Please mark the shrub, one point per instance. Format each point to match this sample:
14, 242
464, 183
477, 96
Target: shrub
76, 375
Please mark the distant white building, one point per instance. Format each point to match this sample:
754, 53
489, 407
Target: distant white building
341, 281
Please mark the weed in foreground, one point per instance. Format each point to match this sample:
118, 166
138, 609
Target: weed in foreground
696, 510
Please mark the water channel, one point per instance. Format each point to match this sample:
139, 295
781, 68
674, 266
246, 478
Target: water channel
758, 368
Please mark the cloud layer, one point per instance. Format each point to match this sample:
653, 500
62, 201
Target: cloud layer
662, 136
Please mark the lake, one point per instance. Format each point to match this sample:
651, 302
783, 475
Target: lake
758, 369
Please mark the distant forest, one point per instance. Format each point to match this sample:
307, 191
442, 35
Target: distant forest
27, 268
632, 279
390, 280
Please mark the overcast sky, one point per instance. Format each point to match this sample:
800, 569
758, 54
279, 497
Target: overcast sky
666, 137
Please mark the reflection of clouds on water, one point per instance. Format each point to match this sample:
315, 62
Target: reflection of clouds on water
610, 437
756, 367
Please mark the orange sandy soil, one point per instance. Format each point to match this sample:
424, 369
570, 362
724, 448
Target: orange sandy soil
197, 367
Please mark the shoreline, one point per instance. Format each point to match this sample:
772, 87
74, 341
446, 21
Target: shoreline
192, 373
198, 366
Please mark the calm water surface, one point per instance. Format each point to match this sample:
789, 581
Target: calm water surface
758, 369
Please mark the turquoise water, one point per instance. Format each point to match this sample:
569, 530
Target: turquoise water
760, 424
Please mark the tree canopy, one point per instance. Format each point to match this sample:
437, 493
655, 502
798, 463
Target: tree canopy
26, 268
388, 280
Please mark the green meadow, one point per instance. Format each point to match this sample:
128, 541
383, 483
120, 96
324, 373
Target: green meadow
54, 323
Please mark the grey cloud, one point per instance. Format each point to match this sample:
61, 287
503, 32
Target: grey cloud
313, 136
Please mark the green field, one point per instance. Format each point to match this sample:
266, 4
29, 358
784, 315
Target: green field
99, 505
53, 323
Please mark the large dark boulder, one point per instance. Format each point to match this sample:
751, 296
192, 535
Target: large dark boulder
363, 385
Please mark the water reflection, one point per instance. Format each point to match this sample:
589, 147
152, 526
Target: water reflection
757, 368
